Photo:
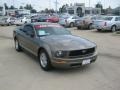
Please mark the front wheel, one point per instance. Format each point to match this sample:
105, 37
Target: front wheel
17, 46
90, 27
72, 24
113, 28
44, 60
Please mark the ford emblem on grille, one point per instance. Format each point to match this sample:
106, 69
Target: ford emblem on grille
83, 51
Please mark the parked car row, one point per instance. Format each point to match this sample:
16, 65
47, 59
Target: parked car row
107, 23
98, 22
7, 21
14, 21
52, 19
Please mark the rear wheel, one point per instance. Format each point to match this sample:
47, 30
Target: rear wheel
44, 60
99, 30
78, 27
113, 28
71, 24
17, 46
9, 24
90, 27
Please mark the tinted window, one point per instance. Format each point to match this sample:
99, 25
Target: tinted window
108, 18
117, 19
28, 29
75, 17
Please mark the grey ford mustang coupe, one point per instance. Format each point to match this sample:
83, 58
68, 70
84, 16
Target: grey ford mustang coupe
54, 45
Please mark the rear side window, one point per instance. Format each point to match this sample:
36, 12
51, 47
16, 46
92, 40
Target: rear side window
117, 19
108, 18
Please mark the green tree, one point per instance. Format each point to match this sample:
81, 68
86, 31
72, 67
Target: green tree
33, 11
21, 7
12, 7
99, 5
63, 9
28, 7
6, 6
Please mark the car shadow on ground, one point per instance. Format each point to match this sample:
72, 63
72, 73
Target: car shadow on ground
95, 31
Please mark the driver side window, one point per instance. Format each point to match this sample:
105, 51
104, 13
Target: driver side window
28, 30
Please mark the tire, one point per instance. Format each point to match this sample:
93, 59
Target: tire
90, 26
44, 60
17, 46
113, 28
71, 24
78, 27
9, 24
99, 30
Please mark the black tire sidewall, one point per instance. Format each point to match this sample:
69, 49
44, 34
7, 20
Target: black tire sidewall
48, 66
71, 24
19, 47
112, 28
90, 26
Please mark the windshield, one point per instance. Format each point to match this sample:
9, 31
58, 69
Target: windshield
52, 31
108, 18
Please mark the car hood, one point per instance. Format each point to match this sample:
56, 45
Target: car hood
67, 42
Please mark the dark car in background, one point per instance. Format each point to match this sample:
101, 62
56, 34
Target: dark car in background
43, 19
54, 45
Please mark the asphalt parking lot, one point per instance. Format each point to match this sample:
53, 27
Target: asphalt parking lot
21, 71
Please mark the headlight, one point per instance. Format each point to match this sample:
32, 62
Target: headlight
60, 54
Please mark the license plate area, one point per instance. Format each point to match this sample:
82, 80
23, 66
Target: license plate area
85, 62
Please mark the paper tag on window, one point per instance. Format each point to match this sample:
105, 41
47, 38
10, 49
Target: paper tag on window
41, 32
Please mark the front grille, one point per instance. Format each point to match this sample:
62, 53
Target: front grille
83, 52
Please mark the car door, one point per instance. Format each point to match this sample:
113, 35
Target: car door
21, 35
31, 40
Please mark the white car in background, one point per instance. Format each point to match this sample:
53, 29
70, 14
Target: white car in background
68, 21
22, 20
108, 23
7, 21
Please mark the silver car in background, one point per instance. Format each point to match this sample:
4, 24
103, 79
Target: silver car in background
68, 21
107, 23
86, 22
22, 20
7, 21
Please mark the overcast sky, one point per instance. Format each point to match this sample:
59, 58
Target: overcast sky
41, 4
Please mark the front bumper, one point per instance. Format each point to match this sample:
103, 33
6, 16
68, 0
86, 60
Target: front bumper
72, 63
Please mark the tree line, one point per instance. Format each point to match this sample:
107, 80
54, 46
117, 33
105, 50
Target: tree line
27, 6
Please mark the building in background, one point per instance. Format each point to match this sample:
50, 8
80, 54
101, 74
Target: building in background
2, 10
17, 12
80, 10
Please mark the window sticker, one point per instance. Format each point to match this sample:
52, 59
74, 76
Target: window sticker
41, 32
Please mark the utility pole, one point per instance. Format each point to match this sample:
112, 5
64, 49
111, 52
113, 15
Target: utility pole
89, 3
49, 4
56, 5
13, 3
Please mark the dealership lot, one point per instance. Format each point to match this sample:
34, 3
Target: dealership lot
21, 71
